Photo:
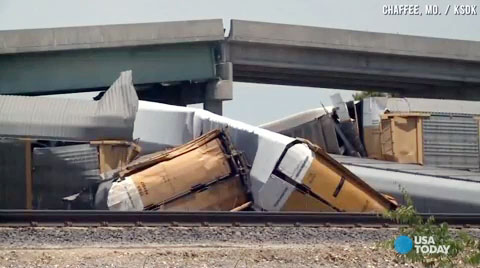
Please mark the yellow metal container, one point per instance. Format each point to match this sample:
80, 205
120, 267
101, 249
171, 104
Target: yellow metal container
204, 174
337, 189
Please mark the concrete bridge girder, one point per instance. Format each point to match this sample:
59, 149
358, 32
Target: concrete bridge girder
333, 58
192, 61
173, 62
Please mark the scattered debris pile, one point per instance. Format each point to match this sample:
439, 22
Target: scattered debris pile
400, 135
285, 174
82, 155
51, 149
209, 174
62, 171
441, 133
336, 129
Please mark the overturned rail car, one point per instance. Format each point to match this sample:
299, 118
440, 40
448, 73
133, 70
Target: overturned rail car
432, 189
56, 147
204, 174
285, 174
39, 174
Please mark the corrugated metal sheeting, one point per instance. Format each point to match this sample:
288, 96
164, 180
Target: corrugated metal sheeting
375, 106
295, 119
432, 189
446, 173
433, 106
312, 125
449, 135
112, 117
451, 141
320, 131
62, 171
12, 174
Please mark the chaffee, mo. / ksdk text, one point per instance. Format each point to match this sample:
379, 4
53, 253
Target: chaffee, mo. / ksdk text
417, 10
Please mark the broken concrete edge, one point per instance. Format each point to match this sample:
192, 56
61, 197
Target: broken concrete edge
110, 36
350, 40
219, 90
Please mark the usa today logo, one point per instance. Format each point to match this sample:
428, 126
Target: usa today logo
422, 244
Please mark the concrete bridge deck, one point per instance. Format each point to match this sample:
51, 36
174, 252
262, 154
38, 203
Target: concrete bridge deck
333, 58
192, 61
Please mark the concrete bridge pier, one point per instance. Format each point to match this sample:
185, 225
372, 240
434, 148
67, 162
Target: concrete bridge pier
220, 90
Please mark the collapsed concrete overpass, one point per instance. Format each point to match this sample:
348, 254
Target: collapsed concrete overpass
172, 62
192, 61
333, 58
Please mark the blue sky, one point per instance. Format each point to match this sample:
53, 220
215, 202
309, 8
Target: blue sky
252, 103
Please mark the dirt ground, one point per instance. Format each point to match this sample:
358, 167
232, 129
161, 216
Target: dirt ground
219, 255
196, 247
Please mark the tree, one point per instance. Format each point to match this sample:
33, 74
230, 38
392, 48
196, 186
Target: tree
365, 94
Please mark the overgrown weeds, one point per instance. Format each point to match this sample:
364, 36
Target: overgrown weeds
464, 249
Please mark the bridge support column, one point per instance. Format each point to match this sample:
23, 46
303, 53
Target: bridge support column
214, 106
219, 90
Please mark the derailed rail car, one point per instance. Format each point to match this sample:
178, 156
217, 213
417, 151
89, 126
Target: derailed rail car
37, 175
266, 152
60, 146
324, 184
208, 173
204, 174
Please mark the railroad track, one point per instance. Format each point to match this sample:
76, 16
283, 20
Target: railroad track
67, 218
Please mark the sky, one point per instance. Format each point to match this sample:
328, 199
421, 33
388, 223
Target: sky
252, 103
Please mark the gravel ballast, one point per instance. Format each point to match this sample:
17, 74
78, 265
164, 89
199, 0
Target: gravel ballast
196, 247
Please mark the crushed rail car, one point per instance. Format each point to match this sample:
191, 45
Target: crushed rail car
314, 125
441, 133
57, 147
336, 129
305, 173
37, 175
306, 168
204, 174
432, 189
110, 118
202, 171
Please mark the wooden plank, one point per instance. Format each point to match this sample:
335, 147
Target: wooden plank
115, 153
388, 115
112, 156
420, 140
242, 207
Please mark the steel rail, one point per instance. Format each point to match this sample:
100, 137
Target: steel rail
88, 218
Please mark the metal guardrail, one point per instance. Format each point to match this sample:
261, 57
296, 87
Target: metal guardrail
84, 218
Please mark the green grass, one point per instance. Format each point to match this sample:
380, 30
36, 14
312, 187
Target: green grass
464, 249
